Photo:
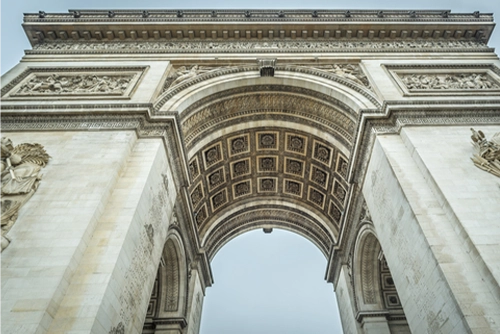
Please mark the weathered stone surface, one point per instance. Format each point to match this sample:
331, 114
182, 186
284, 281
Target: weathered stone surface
348, 128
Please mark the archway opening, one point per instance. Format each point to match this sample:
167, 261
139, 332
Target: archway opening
270, 283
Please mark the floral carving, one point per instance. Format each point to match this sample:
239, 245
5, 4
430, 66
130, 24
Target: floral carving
20, 174
486, 152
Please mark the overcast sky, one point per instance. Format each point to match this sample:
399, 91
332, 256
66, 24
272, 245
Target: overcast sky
264, 283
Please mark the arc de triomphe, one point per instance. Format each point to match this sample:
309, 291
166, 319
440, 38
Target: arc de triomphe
138, 143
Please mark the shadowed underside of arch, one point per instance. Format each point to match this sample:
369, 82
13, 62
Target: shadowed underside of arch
262, 215
271, 152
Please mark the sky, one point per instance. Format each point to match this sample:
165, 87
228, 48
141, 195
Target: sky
264, 283
270, 284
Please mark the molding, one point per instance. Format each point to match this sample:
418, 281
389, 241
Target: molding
170, 321
285, 46
92, 15
165, 127
360, 315
321, 110
263, 215
95, 25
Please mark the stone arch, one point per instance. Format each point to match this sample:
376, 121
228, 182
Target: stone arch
355, 95
168, 305
244, 136
377, 304
366, 270
247, 218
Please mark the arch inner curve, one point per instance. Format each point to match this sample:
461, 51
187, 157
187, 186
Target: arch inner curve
268, 144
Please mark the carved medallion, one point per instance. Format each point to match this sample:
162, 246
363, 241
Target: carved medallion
242, 188
267, 140
322, 153
267, 164
295, 143
316, 197
212, 155
240, 168
219, 199
342, 166
194, 168
201, 215
238, 145
319, 176
197, 195
267, 184
216, 178
339, 191
293, 187
295, 167
335, 212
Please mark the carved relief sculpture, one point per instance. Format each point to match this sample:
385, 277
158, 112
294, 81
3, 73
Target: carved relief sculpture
486, 152
71, 84
20, 171
184, 73
348, 71
454, 81
251, 46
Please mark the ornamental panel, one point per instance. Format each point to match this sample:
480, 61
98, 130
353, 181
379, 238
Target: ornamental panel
429, 80
74, 83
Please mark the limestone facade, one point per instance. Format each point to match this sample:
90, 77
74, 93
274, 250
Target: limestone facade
172, 132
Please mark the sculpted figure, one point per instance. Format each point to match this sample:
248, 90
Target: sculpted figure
20, 175
80, 84
486, 152
347, 71
184, 73
460, 81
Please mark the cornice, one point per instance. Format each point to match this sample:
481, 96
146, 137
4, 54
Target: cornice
242, 15
78, 26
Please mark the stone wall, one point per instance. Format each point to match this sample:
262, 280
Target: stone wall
85, 248
424, 195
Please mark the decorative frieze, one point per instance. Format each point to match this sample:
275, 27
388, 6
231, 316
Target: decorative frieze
422, 80
455, 81
73, 83
283, 46
20, 174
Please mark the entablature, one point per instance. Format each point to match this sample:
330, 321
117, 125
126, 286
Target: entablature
255, 25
